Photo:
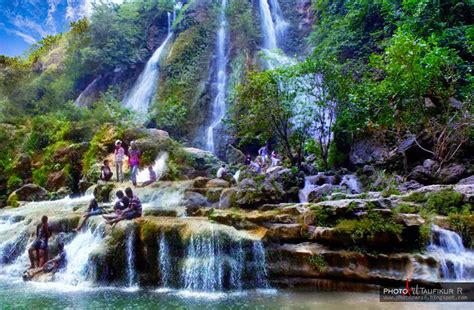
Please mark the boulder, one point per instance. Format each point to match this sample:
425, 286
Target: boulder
228, 198
102, 192
431, 165
451, 174
251, 193
319, 192
409, 219
234, 156
213, 194
200, 182
284, 232
194, 199
29, 192
466, 181
409, 186
220, 183
421, 174
57, 180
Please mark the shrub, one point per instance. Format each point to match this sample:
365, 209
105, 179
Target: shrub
416, 197
406, 208
445, 201
463, 223
14, 182
317, 262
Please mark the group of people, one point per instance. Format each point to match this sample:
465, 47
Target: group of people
264, 160
134, 156
127, 207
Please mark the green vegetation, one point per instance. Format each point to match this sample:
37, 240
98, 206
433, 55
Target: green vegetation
445, 202
318, 262
369, 227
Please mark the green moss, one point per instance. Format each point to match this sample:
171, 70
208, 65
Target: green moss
425, 232
317, 262
14, 182
389, 191
13, 200
323, 216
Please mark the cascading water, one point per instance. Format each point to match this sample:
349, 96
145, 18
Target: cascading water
144, 89
456, 263
131, 274
79, 268
219, 102
268, 26
308, 187
281, 25
164, 261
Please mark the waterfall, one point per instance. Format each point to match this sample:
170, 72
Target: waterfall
219, 102
164, 261
140, 96
203, 266
216, 262
131, 274
308, 187
260, 264
81, 100
79, 267
456, 263
281, 25
268, 27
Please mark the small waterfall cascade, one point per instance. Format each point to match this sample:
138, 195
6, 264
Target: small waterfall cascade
130, 255
220, 82
80, 269
308, 187
130, 259
160, 167
80, 100
456, 263
211, 260
164, 261
349, 184
140, 96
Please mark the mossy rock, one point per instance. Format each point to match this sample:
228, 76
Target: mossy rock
102, 192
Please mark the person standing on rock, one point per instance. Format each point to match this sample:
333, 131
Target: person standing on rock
134, 209
40, 245
134, 161
119, 155
263, 152
275, 159
53, 265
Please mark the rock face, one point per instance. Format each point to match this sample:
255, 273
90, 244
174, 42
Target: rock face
368, 151
234, 156
28, 192
466, 181
429, 173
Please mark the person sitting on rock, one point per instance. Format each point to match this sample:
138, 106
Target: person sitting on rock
105, 172
134, 209
40, 245
92, 210
53, 265
120, 205
222, 172
152, 179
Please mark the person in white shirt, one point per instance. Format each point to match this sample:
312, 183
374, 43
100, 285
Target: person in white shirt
222, 172
119, 156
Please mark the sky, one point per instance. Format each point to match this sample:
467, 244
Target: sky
24, 22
